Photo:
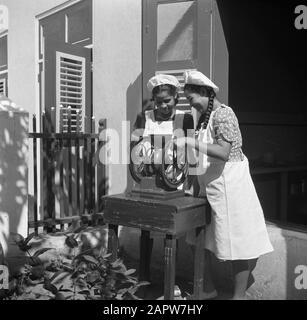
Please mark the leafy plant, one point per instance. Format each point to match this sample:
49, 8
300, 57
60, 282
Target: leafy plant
89, 275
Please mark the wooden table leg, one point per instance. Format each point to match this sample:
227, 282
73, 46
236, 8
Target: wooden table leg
169, 267
146, 245
199, 263
113, 242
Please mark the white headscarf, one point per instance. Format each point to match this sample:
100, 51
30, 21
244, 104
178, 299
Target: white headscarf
199, 79
161, 79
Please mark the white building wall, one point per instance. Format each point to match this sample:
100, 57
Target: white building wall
117, 39
116, 58
22, 42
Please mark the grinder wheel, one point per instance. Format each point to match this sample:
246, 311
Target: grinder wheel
140, 160
174, 168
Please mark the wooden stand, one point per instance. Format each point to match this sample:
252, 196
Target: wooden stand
173, 217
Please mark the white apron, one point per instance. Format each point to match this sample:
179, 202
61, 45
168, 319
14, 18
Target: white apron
237, 230
153, 127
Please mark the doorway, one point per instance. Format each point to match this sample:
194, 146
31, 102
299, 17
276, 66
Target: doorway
65, 72
176, 37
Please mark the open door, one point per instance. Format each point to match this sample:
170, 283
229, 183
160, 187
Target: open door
176, 37
68, 83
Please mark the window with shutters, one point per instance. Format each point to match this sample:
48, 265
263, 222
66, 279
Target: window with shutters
3, 86
70, 88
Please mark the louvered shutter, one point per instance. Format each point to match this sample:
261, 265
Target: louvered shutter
70, 88
3, 86
183, 103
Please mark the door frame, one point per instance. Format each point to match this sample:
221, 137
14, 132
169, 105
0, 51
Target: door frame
149, 36
39, 107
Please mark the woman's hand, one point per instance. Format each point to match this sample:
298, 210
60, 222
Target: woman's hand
219, 150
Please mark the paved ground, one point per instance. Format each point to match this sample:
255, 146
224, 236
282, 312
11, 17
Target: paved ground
155, 289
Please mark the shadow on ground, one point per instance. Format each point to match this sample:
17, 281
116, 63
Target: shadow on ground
155, 289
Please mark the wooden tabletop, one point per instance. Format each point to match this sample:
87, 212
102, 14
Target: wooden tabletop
173, 216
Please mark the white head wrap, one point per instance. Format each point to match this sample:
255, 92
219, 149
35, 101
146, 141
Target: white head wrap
161, 79
199, 79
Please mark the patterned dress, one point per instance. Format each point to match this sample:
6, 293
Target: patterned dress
226, 127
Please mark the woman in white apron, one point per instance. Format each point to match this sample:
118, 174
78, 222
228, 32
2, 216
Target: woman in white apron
237, 231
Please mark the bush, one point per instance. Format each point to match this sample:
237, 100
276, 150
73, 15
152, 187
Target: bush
89, 275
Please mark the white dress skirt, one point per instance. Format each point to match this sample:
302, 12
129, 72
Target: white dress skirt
237, 230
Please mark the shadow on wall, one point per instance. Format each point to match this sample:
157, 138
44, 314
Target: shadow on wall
13, 174
134, 106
